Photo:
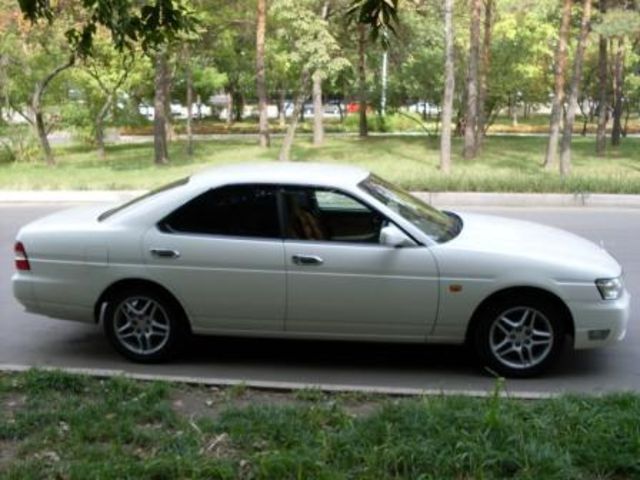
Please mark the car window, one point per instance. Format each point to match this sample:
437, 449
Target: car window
152, 193
330, 200
328, 215
236, 210
439, 226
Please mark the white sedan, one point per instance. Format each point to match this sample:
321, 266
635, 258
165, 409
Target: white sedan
318, 252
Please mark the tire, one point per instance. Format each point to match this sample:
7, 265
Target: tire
520, 335
145, 325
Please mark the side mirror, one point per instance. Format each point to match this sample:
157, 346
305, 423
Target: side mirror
394, 237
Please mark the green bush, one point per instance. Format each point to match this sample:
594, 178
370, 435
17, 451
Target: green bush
19, 144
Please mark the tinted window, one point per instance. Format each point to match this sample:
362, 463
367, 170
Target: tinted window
317, 214
238, 210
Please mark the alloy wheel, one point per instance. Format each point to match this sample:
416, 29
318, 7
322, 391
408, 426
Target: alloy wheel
521, 337
142, 325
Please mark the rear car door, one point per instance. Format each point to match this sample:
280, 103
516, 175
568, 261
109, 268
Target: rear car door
341, 281
223, 256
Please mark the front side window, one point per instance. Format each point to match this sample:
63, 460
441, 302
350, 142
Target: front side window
321, 214
235, 210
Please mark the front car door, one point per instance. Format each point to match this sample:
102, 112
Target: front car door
222, 255
342, 282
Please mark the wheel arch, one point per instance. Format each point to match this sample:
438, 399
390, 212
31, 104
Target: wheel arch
130, 283
567, 317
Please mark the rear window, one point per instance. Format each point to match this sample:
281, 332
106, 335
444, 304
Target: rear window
124, 206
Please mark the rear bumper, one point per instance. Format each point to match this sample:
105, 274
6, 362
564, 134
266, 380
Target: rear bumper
601, 323
24, 292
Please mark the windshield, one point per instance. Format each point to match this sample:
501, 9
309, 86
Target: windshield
164, 188
439, 226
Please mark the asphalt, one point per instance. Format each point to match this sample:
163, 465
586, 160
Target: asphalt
29, 340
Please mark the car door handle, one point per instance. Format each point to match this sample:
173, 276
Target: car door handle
307, 260
164, 253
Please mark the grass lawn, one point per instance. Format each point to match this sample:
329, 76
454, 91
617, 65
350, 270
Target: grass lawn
55, 425
506, 164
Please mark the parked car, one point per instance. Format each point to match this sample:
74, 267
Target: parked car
146, 111
318, 252
424, 108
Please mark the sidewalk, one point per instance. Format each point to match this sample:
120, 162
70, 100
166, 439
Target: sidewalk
450, 199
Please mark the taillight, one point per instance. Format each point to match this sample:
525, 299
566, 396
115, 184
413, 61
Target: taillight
22, 262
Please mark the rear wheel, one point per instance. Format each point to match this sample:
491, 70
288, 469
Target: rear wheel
520, 336
145, 325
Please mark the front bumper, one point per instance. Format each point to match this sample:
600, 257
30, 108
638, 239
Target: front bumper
601, 323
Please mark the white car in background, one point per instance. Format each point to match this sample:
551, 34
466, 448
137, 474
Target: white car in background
318, 252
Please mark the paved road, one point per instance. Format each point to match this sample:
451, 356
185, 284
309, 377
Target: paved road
32, 340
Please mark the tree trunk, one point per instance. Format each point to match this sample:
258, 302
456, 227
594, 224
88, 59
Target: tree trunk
261, 82
574, 91
99, 125
189, 108
559, 79
42, 137
627, 114
484, 73
287, 142
161, 152
603, 101
38, 114
230, 107
618, 79
318, 127
471, 125
362, 82
282, 108
238, 105
603, 85
449, 88
318, 112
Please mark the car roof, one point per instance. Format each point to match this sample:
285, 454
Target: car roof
297, 173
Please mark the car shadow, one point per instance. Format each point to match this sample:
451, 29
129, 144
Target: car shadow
454, 360
337, 362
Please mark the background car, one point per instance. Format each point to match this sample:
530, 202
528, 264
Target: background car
318, 252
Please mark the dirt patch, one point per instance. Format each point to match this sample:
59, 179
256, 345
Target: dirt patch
8, 453
211, 401
12, 402
362, 408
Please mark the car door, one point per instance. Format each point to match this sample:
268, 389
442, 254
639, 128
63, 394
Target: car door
222, 254
341, 281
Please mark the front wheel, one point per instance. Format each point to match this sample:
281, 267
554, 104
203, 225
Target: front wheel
519, 336
144, 325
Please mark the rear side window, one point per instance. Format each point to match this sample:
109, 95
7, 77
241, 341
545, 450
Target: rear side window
236, 210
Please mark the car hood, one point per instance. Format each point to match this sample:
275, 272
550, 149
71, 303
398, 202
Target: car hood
533, 241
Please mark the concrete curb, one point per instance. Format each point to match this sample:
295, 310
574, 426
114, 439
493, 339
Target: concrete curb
284, 386
450, 199
67, 196
600, 200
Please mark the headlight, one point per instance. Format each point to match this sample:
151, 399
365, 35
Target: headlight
610, 288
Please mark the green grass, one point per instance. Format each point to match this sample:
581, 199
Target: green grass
506, 164
54, 425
